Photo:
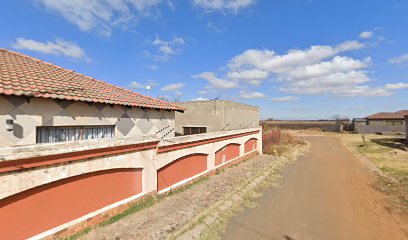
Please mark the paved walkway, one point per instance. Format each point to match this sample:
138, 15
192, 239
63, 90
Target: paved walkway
327, 194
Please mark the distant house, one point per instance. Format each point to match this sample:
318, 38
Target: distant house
382, 122
42, 103
406, 127
214, 116
387, 118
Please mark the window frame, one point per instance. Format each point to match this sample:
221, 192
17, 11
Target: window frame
80, 129
187, 130
394, 122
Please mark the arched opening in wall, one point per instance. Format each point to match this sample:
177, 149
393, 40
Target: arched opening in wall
251, 145
39, 209
181, 169
227, 153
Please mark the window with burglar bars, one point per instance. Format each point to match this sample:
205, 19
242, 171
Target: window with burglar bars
194, 130
72, 133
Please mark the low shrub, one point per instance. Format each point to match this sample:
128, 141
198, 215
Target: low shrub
281, 142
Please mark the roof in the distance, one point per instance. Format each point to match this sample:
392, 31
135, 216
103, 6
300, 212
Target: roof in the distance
389, 115
23, 75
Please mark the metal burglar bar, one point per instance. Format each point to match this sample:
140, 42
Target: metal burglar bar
194, 130
72, 133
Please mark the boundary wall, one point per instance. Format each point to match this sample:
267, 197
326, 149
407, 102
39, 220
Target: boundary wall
54, 190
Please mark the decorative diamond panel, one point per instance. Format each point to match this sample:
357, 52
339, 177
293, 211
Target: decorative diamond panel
125, 124
47, 112
144, 124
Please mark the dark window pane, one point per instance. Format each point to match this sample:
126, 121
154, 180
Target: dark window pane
194, 130
186, 131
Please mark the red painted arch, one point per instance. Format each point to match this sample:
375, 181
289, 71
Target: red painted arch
181, 169
227, 153
39, 209
250, 145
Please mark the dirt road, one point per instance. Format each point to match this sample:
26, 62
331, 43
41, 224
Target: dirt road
176, 210
327, 194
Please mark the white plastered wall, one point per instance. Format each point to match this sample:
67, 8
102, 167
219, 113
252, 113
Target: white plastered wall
29, 113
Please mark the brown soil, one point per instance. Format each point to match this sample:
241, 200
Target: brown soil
327, 194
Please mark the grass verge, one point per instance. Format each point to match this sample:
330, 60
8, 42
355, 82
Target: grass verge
389, 154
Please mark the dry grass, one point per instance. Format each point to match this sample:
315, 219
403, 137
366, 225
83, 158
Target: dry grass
297, 125
287, 142
389, 154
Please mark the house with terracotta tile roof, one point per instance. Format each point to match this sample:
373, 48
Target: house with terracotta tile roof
382, 122
44, 103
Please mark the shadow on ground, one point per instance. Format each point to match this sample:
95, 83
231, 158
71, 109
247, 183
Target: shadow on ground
394, 143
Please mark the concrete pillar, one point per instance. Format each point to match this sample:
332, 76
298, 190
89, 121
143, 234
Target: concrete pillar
242, 149
149, 172
211, 157
260, 141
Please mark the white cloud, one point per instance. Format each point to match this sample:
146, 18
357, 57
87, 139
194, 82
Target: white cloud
363, 91
270, 61
251, 95
317, 70
349, 46
217, 82
142, 5
337, 83
152, 83
152, 67
172, 87
200, 99
395, 86
211, 26
136, 85
166, 49
100, 15
338, 64
400, 60
366, 35
204, 92
57, 47
252, 76
223, 5
285, 99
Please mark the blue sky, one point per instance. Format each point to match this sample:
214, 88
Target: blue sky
296, 59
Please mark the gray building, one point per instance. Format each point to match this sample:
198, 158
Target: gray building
406, 127
215, 116
382, 122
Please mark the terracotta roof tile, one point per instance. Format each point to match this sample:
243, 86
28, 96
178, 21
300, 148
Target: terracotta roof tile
389, 115
24, 75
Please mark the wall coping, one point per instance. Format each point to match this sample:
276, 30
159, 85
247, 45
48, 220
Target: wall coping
45, 149
203, 136
181, 142
50, 153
